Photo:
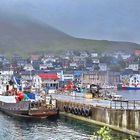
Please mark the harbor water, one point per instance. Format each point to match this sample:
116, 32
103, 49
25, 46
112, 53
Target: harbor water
61, 128
58, 128
130, 94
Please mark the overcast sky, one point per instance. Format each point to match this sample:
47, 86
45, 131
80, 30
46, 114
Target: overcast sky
94, 19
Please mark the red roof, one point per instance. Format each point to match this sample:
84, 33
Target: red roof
51, 76
137, 52
35, 57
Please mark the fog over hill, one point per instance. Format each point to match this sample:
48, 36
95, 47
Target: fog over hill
95, 19
28, 26
25, 35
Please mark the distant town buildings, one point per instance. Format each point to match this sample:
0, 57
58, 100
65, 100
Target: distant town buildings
82, 66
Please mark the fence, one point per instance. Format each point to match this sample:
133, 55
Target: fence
128, 104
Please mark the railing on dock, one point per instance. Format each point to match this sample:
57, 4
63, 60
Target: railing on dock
125, 104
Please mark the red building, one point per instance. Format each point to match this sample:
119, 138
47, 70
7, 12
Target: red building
137, 52
49, 80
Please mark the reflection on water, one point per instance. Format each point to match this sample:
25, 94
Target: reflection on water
49, 129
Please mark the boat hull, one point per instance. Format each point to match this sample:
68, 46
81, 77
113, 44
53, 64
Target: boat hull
23, 110
120, 87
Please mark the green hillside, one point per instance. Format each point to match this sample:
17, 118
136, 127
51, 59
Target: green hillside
26, 37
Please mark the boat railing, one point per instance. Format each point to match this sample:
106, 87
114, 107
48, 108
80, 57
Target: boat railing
125, 104
37, 105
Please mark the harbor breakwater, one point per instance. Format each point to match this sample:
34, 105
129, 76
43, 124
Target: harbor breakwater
126, 120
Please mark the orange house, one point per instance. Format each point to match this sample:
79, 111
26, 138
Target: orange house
137, 52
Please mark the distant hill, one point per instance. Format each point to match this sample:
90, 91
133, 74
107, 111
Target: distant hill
25, 37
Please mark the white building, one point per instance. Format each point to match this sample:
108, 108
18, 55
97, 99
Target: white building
43, 66
73, 65
95, 61
28, 67
103, 66
134, 66
94, 54
134, 81
5, 76
50, 81
121, 54
68, 77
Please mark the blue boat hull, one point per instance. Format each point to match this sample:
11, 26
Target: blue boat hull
120, 87
131, 88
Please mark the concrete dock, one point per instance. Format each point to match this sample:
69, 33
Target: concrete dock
98, 102
122, 116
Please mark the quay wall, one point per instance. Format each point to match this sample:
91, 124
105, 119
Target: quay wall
124, 120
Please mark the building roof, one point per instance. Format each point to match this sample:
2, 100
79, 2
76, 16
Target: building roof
137, 52
127, 72
33, 72
35, 57
51, 76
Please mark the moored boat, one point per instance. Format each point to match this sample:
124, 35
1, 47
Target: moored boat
127, 87
133, 83
27, 109
20, 101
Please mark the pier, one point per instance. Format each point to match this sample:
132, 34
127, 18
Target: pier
120, 115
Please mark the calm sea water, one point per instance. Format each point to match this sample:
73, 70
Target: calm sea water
49, 129
61, 128
130, 94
